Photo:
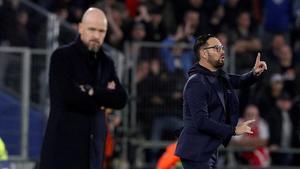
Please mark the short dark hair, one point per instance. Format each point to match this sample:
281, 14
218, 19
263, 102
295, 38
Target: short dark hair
201, 41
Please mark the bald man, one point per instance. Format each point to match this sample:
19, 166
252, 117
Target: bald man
82, 82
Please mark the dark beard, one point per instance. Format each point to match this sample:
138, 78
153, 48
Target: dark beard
94, 49
218, 64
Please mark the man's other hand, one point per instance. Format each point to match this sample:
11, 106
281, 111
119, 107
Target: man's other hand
244, 128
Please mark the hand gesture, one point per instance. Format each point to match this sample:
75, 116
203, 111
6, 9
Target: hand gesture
243, 128
111, 85
87, 89
260, 66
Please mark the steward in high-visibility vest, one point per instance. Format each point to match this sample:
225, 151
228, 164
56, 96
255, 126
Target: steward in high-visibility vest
3, 152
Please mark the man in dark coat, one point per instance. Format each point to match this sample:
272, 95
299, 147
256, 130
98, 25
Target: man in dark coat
83, 83
211, 105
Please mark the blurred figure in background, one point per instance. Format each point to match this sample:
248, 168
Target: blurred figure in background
281, 129
246, 44
151, 91
258, 140
175, 55
245, 41
266, 98
289, 70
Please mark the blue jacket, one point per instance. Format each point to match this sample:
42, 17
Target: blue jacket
186, 58
204, 112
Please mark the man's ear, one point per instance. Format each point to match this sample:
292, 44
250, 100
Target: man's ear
80, 28
203, 53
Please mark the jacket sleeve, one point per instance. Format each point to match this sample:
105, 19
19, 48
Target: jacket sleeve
197, 95
245, 80
116, 98
62, 83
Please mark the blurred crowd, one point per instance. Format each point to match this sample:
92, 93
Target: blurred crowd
245, 27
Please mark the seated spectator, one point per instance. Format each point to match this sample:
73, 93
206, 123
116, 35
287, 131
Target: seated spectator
258, 140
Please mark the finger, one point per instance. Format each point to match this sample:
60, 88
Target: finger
264, 65
249, 122
257, 58
250, 132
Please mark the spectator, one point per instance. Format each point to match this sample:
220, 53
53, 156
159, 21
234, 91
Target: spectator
157, 29
232, 9
295, 33
296, 129
117, 26
267, 97
277, 18
285, 65
192, 23
216, 22
281, 129
142, 70
153, 21
259, 157
277, 42
151, 95
138, 32
8, 17
246, 42
176, 56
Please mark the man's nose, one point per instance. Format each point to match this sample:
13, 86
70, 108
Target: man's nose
222, 51
97, 34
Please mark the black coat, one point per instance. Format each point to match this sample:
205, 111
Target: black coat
206, 123
76, 130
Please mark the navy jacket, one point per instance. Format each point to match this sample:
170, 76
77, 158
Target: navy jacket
76, 130
205, 124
